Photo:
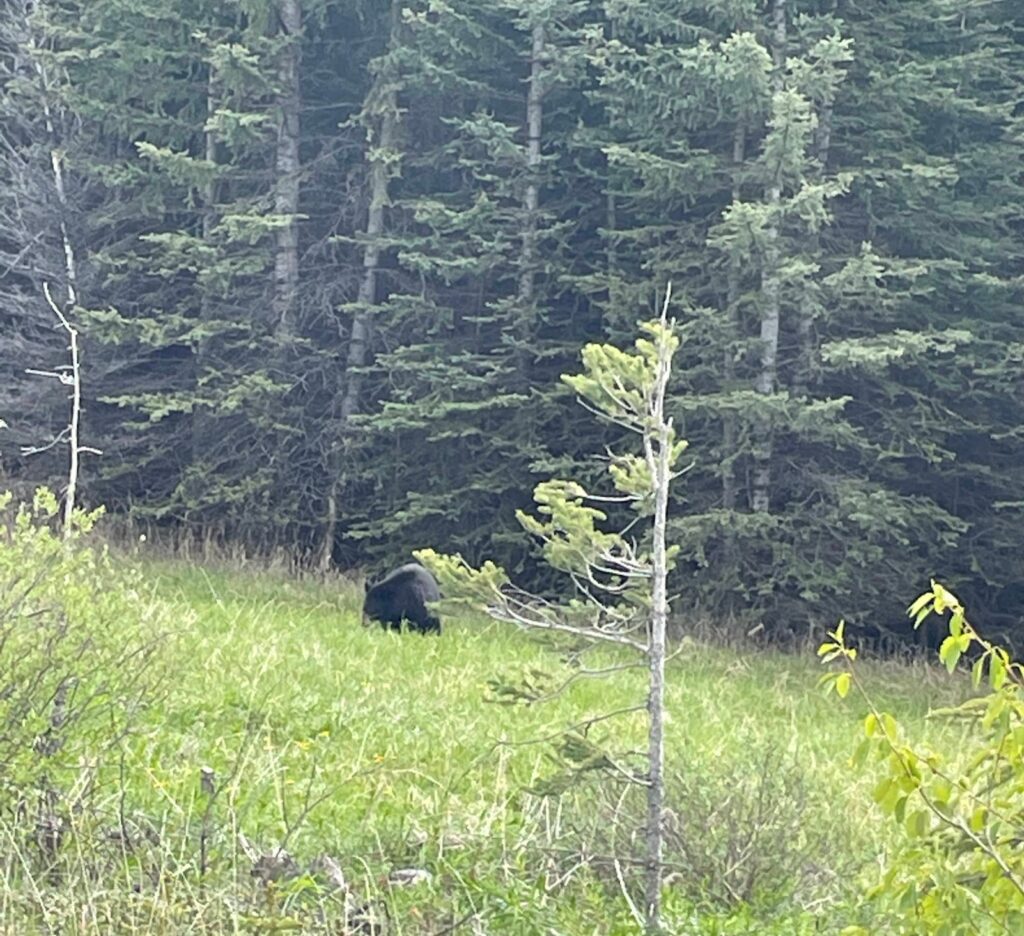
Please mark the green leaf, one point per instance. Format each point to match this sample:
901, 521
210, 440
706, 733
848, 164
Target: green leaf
950, 652
917, 823
843, 681
997, 669
978, 671
923, 601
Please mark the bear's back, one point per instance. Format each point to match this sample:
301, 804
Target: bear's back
403, 594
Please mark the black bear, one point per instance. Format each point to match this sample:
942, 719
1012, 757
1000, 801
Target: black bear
402, 595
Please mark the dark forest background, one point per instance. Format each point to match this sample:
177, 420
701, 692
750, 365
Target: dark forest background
329, 258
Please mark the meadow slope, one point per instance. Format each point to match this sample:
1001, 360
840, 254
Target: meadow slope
383, 751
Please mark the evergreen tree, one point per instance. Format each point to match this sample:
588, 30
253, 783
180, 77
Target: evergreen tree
329, 257
474, 324
932, 360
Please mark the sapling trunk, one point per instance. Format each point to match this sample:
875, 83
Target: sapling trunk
628, 390
658, 453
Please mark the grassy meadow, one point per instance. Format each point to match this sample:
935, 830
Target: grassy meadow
384, 752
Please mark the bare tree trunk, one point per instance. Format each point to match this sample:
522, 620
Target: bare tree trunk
200, 415
288, 168
771, 288
611, 253
531, 201
74, 380
729, 434
210, 155
612, 224
382, 136
57, 169
658, 452
63, 310
806, 350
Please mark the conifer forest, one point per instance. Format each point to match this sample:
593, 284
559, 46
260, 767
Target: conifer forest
328, 259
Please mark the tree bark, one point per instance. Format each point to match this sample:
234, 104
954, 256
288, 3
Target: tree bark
658, 453
200, 413
71, 295
729, 434
807, 351
75, 419
288, 169
382, 137
771, 289
57, 170
531, 202
210, 155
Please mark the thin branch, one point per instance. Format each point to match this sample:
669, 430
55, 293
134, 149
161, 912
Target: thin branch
580, 726
505, 613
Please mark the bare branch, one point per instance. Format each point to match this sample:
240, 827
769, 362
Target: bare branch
504, 612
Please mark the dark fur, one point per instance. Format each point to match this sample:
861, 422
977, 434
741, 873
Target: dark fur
402, 596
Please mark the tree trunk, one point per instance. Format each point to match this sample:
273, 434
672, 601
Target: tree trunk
70, 300
382, 137
531, 203
287, 168
771, 288
729, 434
807, 352
75, 419
210, 155
200, 413
659, 459
57, 170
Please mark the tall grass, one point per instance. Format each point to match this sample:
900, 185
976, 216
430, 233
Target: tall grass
319, 737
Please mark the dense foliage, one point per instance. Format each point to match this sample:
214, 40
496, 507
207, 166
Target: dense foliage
960, 870
330, 257
79, 663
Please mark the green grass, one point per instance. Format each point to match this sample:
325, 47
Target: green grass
382, 751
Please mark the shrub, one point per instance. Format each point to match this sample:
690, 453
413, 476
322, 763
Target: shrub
734, 836
77, 648
960, 867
